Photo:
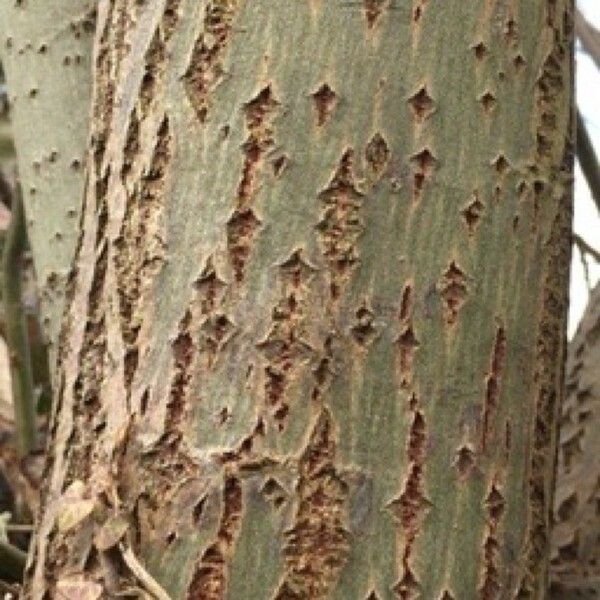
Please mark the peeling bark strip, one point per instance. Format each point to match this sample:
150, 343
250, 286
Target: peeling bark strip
140, 247
551, 147
317, 544
551, 342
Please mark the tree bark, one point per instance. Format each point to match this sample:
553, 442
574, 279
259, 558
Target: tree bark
46, 49
575, 550
323, 262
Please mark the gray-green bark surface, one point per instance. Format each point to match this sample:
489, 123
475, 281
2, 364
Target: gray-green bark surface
323, 263
45, 50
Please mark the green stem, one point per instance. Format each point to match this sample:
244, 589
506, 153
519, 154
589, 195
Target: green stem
16, 332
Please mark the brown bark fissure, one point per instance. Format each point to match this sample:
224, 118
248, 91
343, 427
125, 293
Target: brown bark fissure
472, 213
205, 69
373, 10
209, 579
491, 587
492, 386
318, 541
260, 112
155, 59
341, 225
409, 506
284, 347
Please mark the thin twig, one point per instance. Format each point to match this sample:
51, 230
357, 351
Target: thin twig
149, 583
19, 528
588, 160
584, 247
589, 37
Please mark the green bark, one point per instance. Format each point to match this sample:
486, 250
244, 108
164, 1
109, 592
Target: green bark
46, 48
323, 266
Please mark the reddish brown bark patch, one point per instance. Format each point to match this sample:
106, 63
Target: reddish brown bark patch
480, 50
409, 506
243, 224
209, 581
406, 344
317, 544
283, 348
488, 102
494, 505
341, 225
205, 70
241, 229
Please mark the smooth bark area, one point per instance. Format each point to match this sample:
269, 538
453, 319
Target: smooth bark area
46, 49
323, 263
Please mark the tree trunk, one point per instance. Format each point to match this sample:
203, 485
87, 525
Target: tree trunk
323, 262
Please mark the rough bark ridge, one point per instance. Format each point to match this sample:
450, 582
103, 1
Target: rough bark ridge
575, 560
323, 262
